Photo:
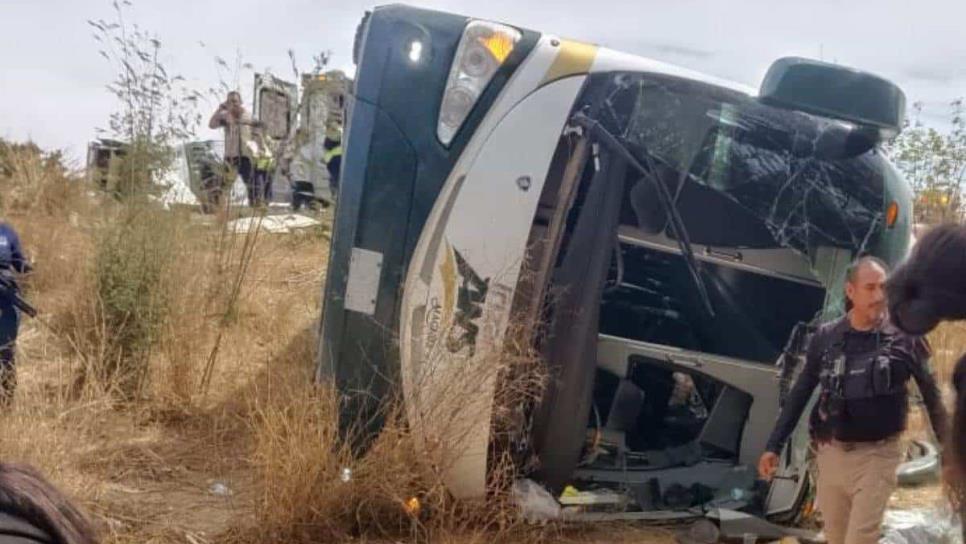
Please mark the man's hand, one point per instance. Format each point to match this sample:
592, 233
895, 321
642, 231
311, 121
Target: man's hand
767, 465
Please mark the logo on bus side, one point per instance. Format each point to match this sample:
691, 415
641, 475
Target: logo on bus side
455, 306
469, 307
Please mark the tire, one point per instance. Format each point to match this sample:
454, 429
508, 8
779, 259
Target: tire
921, 464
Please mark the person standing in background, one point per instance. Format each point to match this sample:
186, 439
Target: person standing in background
264, 160
237, 123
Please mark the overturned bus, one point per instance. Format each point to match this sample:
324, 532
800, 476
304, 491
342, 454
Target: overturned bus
672, 239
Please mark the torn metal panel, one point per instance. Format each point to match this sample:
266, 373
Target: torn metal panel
735, 524
275, 103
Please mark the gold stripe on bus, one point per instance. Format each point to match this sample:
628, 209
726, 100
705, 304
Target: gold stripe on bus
447, 270
572, 59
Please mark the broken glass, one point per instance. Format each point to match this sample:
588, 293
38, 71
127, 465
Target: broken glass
676, 224
810, 181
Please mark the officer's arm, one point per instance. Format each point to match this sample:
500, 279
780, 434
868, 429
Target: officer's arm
797, 399
919, 368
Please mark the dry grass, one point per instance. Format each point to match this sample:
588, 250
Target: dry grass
144, 468
35, 180
948, 342
313, 490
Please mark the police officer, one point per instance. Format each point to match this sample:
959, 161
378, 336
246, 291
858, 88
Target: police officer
12, 261
861, 364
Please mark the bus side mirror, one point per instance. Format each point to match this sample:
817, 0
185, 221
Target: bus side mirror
870, 102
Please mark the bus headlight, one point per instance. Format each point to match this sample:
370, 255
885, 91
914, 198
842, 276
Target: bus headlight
481, 51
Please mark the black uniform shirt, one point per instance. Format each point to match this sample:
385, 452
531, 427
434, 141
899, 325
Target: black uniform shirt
865, 419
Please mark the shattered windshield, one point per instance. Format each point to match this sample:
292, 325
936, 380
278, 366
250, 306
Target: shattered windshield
775, 177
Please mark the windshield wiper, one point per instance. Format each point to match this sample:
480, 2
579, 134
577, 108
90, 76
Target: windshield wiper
677, 224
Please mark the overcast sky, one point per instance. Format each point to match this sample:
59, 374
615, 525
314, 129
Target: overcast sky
52, 78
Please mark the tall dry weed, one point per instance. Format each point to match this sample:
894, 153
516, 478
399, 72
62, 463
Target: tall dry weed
153, 300
120, 321
312, 488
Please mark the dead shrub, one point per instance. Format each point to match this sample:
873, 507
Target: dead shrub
117, 323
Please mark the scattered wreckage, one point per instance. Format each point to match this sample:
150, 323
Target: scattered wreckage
673, 238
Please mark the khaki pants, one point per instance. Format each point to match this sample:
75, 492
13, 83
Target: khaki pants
855, 481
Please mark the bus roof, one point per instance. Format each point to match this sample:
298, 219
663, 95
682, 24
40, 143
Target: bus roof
609, 60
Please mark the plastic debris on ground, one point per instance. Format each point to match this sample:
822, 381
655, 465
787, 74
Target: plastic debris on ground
535, 503
274, 224
572, 497
412, 506
219, 489
735, 525
921, 526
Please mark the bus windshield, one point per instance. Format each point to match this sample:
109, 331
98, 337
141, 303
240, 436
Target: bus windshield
775, 177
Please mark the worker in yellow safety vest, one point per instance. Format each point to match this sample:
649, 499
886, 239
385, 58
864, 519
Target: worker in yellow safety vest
264, 168
333, 156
